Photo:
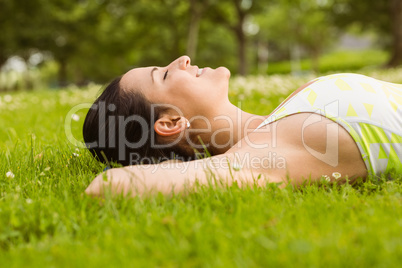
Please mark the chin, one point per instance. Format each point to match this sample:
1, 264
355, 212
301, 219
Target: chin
225, 71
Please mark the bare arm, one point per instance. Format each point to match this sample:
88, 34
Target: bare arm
170, 176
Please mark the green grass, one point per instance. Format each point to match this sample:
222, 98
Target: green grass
45, 220
335, 61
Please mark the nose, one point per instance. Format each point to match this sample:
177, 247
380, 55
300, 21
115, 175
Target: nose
183, 62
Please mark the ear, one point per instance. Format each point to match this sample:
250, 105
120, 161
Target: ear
169, 125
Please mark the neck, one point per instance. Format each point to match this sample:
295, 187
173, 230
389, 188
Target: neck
231, 126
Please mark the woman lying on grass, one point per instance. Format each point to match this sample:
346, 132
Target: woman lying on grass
345, 124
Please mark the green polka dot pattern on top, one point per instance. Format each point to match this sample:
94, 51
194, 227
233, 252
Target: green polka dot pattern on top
369, 109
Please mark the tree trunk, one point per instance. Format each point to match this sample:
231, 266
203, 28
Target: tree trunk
3, 59
241, 50
192, 40
241, 39
62, 75
315, 61
396, 20
295, 65
262, 56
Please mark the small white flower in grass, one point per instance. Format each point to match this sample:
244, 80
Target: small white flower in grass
326, 178
75, 117
236, 166
10, 175
76, 155
8, 98
29, 200
336, 175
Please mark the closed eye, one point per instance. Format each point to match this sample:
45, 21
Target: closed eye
164, 77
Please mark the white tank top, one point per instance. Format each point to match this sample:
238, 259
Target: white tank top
369, 109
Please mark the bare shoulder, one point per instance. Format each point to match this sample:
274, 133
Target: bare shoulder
302, 146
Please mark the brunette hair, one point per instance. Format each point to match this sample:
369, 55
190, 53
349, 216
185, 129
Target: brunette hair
119, 127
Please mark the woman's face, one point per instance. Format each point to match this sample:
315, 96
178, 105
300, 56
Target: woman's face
194, 91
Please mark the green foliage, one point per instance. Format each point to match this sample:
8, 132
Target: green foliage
96, 40
45, 220
388, 18
295, 22
361, 13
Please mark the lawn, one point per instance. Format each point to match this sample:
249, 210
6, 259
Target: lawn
350, 60
46, 221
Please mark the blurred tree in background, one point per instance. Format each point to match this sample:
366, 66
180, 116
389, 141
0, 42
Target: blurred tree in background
81, 41
233, 14
384, 17
296, 25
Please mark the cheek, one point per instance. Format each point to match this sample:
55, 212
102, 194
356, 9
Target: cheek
179, 84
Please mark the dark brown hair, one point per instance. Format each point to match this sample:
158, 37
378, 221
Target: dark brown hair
119, 128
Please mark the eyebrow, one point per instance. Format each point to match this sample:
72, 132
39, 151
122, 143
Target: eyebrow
152, 72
